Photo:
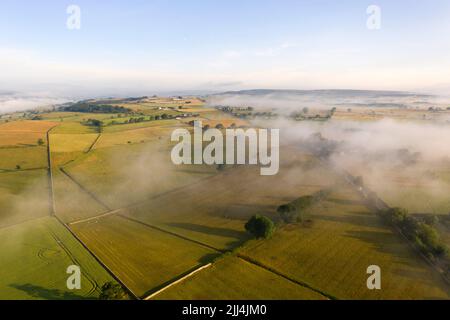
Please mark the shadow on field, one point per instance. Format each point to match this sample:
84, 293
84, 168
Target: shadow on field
357, 218
346, 202
385, 242
221, 232
39, 292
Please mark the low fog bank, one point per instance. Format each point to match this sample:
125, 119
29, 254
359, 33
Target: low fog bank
286, 101
406, 161
13, 101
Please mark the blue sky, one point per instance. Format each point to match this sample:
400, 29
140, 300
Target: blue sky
168, 45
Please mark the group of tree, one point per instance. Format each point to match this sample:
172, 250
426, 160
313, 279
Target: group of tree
98, 124
422, 233
294, 211
96, 108
113, 291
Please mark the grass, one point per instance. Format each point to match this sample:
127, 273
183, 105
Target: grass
27, 126
235, 279
215, 210
35, 256
334, 252
71, 127
71, 202
24, 157
143, 258
123, 175
23, 196
61, 143
139, 135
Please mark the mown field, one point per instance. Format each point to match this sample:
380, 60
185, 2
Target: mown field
334, 252
35, 257
215, 210
142, 257
235, 279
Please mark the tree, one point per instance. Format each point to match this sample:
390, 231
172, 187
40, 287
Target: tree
113, 291
288, 213
18, 167
305, 110
260, 227
40, 142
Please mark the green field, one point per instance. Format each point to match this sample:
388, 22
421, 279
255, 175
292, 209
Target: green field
235, 279
142, 257
23, 196
35, 257
215, 210
334, 252
151, 222
24, 157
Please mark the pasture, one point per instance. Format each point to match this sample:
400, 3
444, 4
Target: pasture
333, 253
235, 279
215, 210
143, 258
35, 256
24, 195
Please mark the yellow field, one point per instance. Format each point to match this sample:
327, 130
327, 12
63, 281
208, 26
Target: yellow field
143, 258
25, 157
334, 252
235, 279
215, 210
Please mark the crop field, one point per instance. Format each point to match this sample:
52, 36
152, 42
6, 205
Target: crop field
332, 255
214, 213
71, 202
23, 196
35, 256
71, 127
23, 158
127, 174
235, 279
139, 135
151, 223
142, 257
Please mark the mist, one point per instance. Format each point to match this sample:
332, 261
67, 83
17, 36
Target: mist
398, 158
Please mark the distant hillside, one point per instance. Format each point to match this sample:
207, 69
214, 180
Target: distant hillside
324, 93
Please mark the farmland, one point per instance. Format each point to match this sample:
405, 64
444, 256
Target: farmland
124, 211
35, 256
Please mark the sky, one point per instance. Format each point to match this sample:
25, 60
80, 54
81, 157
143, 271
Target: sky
151, 46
